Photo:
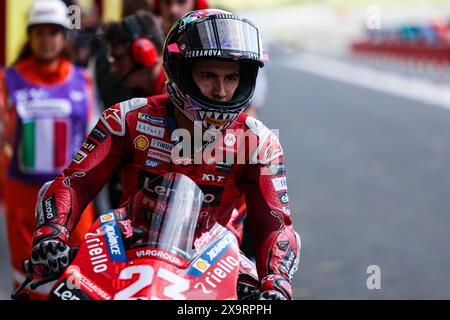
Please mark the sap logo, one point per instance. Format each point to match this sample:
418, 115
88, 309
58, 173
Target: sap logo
218, 248
212, 178
152, 163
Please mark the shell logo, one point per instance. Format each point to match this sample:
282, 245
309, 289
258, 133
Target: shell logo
106, 217
141, 143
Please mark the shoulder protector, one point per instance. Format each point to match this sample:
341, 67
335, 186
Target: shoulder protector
114, 118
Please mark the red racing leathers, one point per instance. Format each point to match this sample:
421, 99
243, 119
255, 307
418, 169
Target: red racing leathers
134, 138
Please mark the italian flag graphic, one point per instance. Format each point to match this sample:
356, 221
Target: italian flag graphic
44, 145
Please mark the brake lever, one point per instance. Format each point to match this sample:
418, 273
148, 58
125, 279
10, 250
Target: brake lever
28, 269
37, 284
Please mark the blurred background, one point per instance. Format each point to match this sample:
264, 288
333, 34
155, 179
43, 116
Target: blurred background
360, 91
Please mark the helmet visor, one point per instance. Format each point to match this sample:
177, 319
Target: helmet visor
223, 37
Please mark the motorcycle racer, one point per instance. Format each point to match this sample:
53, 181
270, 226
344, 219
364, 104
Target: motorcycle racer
211, 58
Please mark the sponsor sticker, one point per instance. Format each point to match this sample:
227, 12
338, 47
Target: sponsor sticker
162, 145
141, 143
50, 210
201, 265
79, 157
154, 120
276, 169
279, 183
107, 217
89, 145
284, 198
113, 238
149, 129
219, 248
159, 155
214, 256
152, 163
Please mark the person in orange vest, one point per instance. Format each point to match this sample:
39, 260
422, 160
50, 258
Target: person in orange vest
47, 104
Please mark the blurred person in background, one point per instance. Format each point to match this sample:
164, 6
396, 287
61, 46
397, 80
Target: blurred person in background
135, 47
47, 103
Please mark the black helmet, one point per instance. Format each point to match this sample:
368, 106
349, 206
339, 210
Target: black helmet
211, 34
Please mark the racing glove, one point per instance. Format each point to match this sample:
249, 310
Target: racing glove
275, 287
50, 254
